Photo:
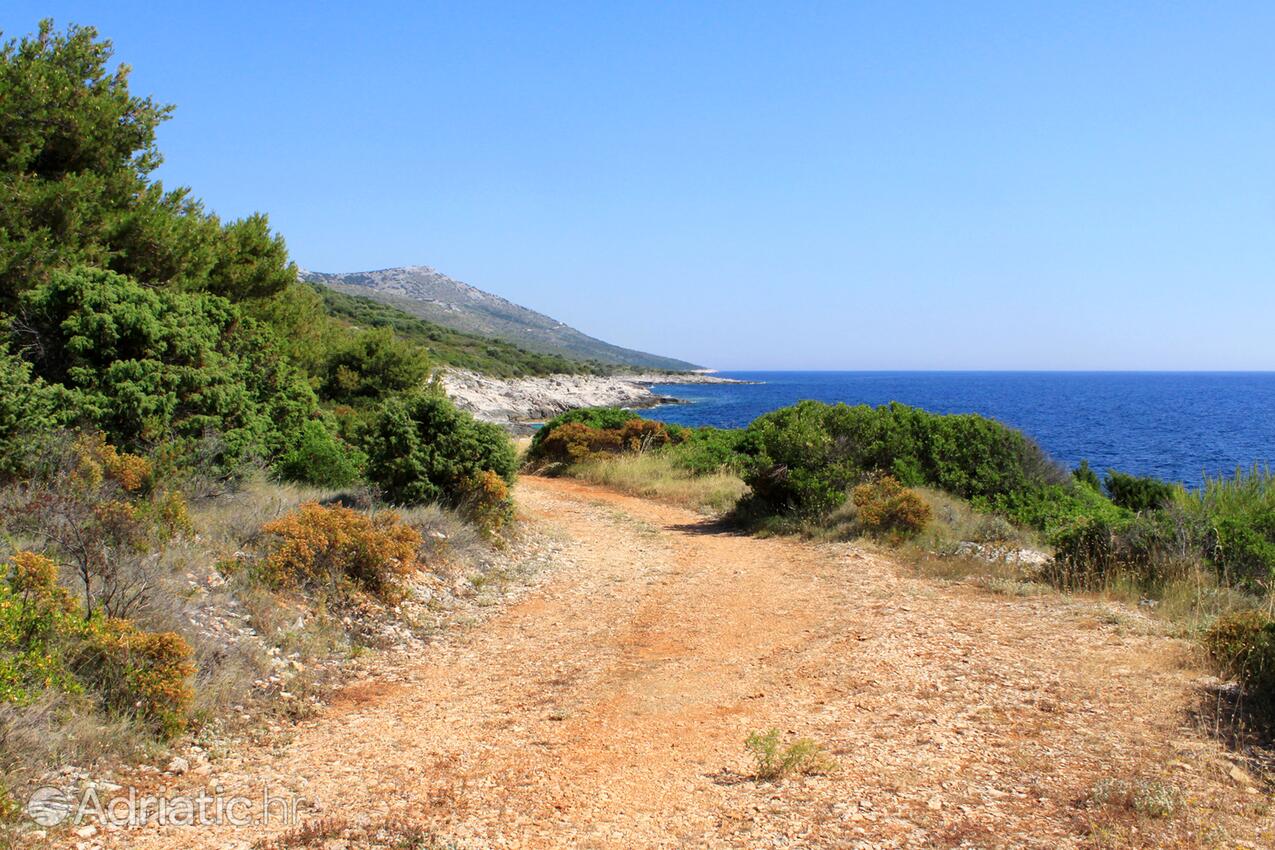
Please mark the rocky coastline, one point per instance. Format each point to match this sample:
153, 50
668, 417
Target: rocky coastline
516, 403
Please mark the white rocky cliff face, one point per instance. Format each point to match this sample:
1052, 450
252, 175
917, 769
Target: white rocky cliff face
513, 401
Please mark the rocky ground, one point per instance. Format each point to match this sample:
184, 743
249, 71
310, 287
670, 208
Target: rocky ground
607, 707
517, 401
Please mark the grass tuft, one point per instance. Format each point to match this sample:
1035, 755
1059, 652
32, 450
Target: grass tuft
774, 760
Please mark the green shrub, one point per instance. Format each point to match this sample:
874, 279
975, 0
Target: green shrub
802, 459
1147, 550
319, 457
886, 508
150, 366
704, 451
1242, 644
1138, 494
1085, 554
1238, 514
421, 448
1084, 474
1053, 508
371, 365
30, 410
773, 760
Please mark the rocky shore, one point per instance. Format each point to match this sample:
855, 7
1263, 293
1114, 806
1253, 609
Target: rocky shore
514, 402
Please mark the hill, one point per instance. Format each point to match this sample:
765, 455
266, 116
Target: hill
448, 347
437, 298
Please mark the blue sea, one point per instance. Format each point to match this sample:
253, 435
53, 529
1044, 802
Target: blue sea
1176, 426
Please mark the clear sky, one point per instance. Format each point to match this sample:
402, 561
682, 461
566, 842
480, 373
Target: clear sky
1017, 185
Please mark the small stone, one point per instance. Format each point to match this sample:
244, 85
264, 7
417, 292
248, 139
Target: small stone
86, 831
1240, 775
178, 765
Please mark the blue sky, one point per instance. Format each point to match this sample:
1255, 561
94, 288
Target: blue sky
1013, 185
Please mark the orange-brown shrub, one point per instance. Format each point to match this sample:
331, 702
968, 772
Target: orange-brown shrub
138, 673
486, 500
335, 546
47, 643
98, 462
639, 435
100, 511
576, 442
887, 508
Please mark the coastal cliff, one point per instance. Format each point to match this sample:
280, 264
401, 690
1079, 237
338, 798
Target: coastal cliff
517, 401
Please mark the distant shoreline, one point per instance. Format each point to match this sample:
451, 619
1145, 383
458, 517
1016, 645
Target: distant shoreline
518, 403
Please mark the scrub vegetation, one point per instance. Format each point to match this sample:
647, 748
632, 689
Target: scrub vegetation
965, 496
206, 466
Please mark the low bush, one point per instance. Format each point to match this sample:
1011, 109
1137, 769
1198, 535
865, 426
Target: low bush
705, 451
1238, 513
146, 674
47, 642
1242, 644
1138, 494
575, 442
334, 548
101, 512
1146, 551
801, 460
572, 439
421, 448
1052, 508
601, 418
318, 456
773, 760
487, 502
885, 508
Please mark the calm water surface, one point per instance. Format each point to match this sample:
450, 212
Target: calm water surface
1177, 426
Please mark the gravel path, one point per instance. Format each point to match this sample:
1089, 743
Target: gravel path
608, 708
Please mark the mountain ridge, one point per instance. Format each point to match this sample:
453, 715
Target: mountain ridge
427, 293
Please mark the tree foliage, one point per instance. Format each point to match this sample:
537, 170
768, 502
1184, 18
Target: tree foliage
1136, 493
421, 448
146, 365
77, 150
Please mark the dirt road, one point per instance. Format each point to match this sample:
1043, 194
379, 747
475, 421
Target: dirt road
608, 708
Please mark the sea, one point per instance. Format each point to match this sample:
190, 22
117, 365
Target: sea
1177, 426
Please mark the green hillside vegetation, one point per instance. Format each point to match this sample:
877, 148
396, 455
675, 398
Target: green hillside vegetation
441, 300
962, 493
448, 347
174, 402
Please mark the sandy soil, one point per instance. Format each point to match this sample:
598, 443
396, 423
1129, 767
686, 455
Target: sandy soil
608, 709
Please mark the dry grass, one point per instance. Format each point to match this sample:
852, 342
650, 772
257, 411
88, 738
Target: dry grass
390, 834
654, 476
232, 520
56, 730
